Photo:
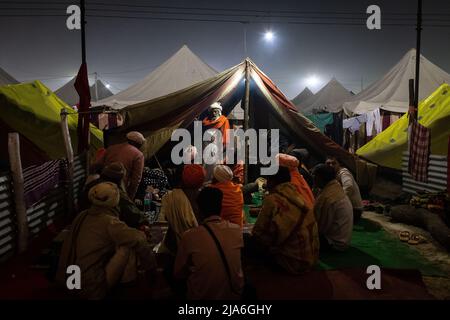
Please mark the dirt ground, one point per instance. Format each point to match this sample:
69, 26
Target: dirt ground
432, 251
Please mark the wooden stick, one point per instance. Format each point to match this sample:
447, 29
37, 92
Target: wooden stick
246, 118
19, 193
70, 160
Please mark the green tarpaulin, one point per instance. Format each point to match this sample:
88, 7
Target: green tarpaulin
33, 110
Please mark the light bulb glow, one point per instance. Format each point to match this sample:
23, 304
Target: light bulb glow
269, 36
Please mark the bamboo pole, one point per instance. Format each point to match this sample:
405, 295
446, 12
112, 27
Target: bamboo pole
419, 31
246, 118
70, 161
19, 193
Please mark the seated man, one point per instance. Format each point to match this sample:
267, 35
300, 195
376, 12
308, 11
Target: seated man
297, 178
209, 274
106, 249
333, 210
177, 208
128, 211
286, 229
351, 188
233, 199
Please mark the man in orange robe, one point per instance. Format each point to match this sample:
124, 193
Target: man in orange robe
297, 179
216, 120
233, 199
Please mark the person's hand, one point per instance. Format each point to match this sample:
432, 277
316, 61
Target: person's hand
261, 182
138, 202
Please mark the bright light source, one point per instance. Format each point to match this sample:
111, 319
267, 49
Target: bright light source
269, 35
108, 86
312, 81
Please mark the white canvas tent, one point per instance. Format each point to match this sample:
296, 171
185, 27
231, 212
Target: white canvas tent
328, 99
391, 92
180, 71
69, 95
302, 96
6, 78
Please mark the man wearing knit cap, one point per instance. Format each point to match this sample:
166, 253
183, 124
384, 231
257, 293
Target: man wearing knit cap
233, 199
105, 248
216, 120
131, 157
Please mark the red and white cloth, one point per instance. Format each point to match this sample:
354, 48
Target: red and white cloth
419, 151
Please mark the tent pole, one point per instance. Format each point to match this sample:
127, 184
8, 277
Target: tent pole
246, 118
18, 187
419, 30
70, 160
96, 88
83, 32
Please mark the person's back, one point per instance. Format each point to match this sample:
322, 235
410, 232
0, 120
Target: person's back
94, 238
199, 260
350, 187
333, 210
131, 157
233, 198
287, 227
124, 153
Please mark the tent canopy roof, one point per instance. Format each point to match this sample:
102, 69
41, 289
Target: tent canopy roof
33, 110
6, 78
69, 94
302, 96
180, 71
329, 99
157, 118
391, 92
434, 113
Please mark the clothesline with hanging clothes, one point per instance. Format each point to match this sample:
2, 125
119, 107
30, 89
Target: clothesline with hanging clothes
372, 120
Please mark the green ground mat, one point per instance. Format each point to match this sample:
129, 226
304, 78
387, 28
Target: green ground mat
372, 245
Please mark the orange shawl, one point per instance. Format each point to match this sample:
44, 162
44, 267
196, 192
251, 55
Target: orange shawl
220, 123
232, 202
302, 187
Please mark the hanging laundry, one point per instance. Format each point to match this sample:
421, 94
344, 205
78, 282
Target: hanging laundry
419, 151
320, 120
373, 120
39, 180
353, 124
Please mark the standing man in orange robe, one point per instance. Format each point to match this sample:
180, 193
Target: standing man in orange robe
216, 120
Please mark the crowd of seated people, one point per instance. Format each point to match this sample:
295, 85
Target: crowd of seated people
204, 252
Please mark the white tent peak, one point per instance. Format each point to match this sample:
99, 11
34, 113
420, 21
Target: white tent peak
302, 96
391, 92
181, 70
69, 95
6, 78
329, 98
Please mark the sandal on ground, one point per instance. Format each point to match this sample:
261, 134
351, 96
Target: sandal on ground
417, 239
404, 236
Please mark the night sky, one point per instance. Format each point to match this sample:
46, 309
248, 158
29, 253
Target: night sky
123, 51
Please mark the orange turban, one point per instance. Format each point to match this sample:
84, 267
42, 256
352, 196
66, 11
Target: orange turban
193, 176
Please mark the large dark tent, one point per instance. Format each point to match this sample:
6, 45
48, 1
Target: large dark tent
268, 108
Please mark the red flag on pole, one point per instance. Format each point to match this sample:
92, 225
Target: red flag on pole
82, 87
